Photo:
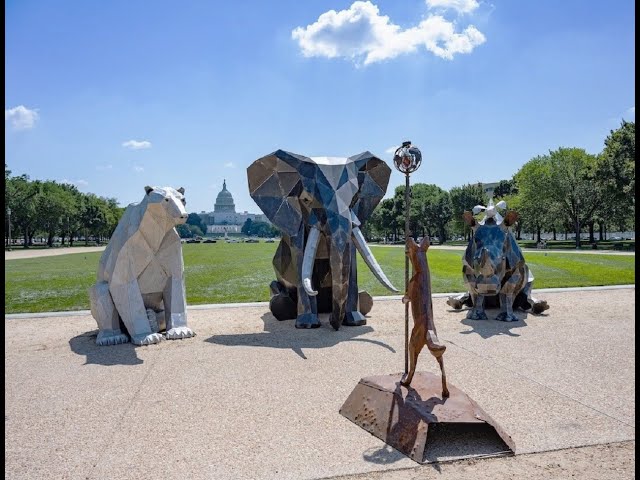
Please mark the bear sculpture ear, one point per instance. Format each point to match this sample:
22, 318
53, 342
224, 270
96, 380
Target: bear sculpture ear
181, 190
148, 189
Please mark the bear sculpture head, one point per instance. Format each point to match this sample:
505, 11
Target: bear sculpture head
167, 204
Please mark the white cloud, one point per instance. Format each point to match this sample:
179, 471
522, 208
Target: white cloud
229, 165
104, 167
137, 145
362, 33
391, 150
461, 6
138, 168
21, 117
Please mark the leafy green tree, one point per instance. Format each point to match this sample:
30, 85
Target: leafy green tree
196, 220
438, 211
246, 228
53, 205
505, 188
534, 194
259, 229
570, 183
616, 176
184, 231
23, 200
92, 215
463, 199
383, 220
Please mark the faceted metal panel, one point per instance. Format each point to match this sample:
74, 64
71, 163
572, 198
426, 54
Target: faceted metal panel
331, 197
141, 274
494, 269
404, 417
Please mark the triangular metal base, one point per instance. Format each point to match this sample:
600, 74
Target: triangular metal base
401, 416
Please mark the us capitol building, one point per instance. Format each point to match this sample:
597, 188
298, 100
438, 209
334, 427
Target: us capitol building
224, 217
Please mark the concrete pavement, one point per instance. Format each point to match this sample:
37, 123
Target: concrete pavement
251, 397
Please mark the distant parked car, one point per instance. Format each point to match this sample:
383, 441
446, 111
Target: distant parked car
193, 240
210, 240
251, 240
269, 240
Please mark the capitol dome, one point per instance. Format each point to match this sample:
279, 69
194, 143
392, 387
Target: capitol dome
224, 201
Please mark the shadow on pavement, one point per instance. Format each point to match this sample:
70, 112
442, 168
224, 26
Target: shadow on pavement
123, 354
283, 334
489, 328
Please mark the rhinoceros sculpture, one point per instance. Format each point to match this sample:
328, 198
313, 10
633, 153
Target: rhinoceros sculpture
494, 269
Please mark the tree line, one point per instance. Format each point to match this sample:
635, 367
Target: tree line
54, 210
566, 190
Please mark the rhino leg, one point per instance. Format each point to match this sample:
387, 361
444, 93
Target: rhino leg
506, 309
477, 311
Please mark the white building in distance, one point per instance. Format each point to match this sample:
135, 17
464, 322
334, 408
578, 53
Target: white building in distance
224, 218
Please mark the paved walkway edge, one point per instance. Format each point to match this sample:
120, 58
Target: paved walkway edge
214, 306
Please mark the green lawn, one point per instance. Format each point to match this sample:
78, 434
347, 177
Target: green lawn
221, 272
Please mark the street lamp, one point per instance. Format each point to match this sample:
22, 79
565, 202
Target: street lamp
9, 215
407, 159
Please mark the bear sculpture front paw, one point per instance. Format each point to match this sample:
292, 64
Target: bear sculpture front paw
149, 339
177, 333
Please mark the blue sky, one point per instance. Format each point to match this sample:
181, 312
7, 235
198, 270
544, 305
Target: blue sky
117, 95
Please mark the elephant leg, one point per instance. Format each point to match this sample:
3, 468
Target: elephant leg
105, 313
307, 311
353, 317
506, 308
477, 311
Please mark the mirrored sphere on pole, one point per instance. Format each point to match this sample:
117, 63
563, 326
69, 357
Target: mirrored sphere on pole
407, 158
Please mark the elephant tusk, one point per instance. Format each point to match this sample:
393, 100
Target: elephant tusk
370, 260
308, 259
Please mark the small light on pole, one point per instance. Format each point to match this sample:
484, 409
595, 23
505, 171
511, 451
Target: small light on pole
9, 215
407, 159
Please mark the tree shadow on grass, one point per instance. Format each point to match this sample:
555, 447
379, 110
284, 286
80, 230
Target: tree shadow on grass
123, 354
283, 334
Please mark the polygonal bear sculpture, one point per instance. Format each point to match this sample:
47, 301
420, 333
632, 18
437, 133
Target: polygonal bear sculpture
494, 269
140, 289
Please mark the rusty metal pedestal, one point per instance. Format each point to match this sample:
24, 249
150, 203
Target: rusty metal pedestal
403, 417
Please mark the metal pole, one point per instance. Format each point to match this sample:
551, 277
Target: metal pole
407, 202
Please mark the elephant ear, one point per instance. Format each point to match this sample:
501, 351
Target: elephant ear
373, 179
275, 185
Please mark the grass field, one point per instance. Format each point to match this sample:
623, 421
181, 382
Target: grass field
222, 273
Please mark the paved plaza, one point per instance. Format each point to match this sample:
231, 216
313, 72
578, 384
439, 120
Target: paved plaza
250, 397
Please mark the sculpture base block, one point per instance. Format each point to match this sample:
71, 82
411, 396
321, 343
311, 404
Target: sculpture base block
403, 417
